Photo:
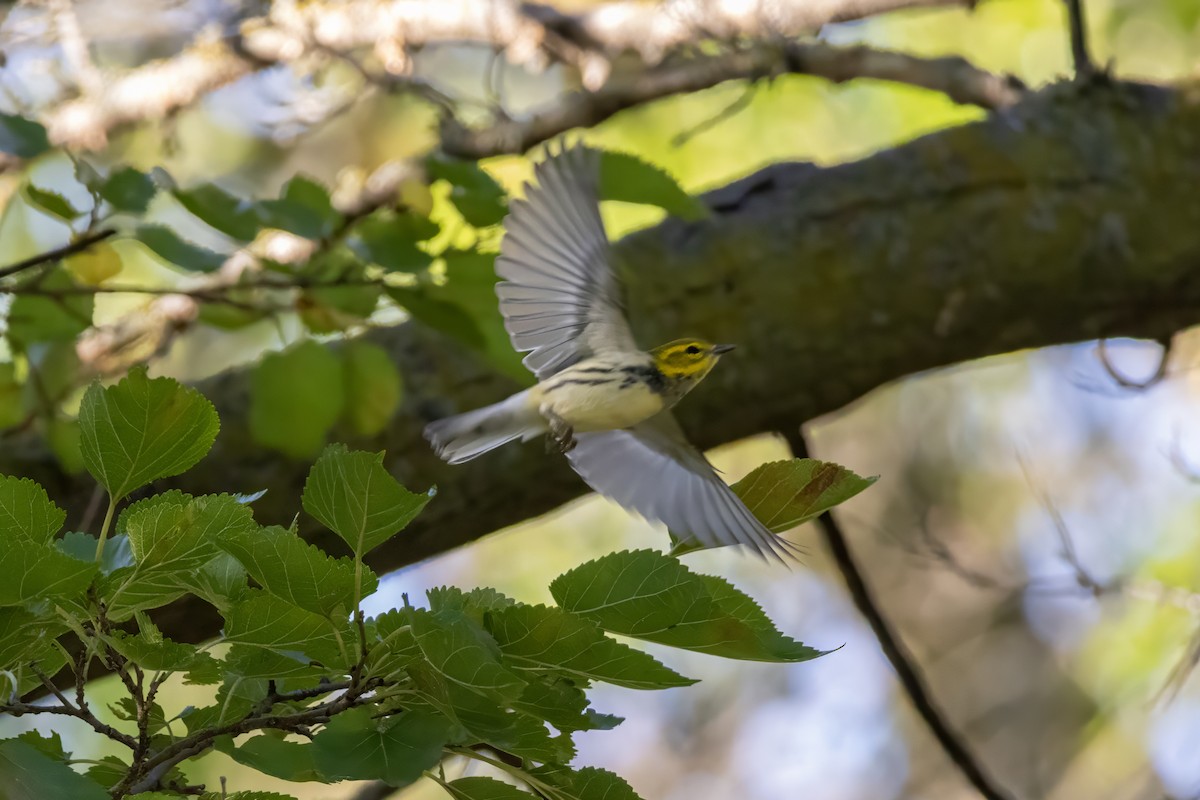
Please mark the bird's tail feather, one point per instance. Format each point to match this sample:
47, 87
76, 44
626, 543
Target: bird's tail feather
465, 436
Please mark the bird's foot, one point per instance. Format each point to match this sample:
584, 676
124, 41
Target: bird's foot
562, 435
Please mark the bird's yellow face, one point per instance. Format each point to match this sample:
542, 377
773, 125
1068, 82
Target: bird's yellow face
687, 359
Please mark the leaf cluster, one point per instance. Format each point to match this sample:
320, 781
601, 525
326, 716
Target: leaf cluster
306, 687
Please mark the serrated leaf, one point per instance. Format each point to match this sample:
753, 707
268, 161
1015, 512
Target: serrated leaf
589, 783
160, 656
628, 178
51, 202
296, 571
271, 755
108, 772
548, 638
51, 745
22, 137
129, 190
125, 708
170, 247
303, 208
373, 387
784, 494
232, 216
23, 635
354, 496
481, 788
394, 648
57, 318
173, 538
390, 240
26, 512
295, 398
652, 596
221, 581
396, 750
42, 571
474, 192
563, 704
463, 653
142, 430
27, 774
475, 603
264, 620
482, 720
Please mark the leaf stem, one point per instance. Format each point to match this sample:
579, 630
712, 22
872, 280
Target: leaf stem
108, 518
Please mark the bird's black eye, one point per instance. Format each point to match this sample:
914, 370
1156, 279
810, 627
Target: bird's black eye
692, 350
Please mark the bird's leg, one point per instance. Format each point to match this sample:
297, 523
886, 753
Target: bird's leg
561, 433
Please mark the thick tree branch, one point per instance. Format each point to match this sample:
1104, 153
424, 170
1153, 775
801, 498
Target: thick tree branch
1070, 217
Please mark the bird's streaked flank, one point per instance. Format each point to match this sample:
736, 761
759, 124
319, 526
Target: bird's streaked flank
603, 400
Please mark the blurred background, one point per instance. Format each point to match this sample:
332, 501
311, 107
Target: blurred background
1035, 533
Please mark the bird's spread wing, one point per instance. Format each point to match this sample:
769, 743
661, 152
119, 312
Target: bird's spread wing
652, 469
559, 297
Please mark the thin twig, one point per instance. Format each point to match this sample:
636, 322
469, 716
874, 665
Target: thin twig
909, 674
50, 256
1085, 69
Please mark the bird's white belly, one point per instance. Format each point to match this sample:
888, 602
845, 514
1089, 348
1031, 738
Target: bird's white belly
593, 402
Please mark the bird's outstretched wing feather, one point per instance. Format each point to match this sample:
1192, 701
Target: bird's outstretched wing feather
559, 297
652, 469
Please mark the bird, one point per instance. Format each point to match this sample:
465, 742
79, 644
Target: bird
599, 398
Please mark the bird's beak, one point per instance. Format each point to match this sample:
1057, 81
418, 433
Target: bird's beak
718, 349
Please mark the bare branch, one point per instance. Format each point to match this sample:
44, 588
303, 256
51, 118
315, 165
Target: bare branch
1085, 69
50, 256
955, 77
907, 672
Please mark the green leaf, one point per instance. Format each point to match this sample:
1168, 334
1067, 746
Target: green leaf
439, 315
475, 603
481, 788
51, 745
221, 581
296, 571
82, 546
390, 240
563, 704
463, 653
23, 636
126, 709
63, 437
474, 192
547, 638
22, 137
396, 750
303, 208
372, 387
232, 216
264, 620
628, 178
163, 655
129, 190
173, 537
295, 398
59, 318
109, 772
651, 596
142, 430
354, 496
483, 720
471, 285
274, 756
50, 202
336, 308
784, 494
167, 245
42, 571
12, 411
27, 774
26, 512
588, 783
395, 648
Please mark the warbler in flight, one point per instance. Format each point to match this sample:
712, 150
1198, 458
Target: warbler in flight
603, 400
